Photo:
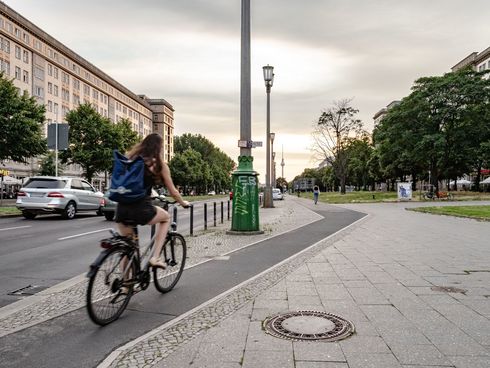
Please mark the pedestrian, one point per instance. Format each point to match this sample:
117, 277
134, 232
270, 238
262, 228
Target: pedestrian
142, 211
316, 193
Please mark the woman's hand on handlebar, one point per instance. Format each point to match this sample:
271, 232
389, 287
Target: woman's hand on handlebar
185, 204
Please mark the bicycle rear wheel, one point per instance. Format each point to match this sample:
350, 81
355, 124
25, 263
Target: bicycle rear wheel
174, 252
107, 294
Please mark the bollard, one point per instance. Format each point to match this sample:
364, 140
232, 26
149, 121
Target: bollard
228, 210
191, 219
221, 211
205, 216
214, 214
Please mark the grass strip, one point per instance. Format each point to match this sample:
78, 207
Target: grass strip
474, 212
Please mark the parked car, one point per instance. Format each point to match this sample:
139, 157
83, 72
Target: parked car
277, 194
64, 195
212, 192
108, 207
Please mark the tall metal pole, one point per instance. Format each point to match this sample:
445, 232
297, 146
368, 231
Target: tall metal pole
245, 213
268, 189
245, 85
282, 162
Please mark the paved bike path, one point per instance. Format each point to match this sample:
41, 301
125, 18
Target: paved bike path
73, 340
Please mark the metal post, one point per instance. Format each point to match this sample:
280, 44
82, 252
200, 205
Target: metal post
174, 217
214, 214
205, 216
268, 189
228, 215
221, 211
191, 225
56, 149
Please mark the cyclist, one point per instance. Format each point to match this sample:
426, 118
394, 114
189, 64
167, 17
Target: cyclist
143, 212
316, 193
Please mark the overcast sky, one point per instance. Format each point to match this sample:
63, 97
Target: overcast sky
188, 52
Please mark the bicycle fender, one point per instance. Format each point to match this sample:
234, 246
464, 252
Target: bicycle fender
96, 264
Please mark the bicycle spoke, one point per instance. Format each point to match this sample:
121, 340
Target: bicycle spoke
174, 254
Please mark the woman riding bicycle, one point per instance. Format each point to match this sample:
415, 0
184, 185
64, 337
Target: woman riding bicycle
143, 212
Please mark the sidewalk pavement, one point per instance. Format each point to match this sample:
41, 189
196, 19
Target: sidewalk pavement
416, 287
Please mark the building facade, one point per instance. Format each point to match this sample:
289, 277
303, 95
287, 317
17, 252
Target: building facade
478, 61
381, 113
61, 80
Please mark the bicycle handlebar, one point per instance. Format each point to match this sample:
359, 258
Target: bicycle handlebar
165, 200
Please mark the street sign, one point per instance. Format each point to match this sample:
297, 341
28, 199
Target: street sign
243, 144
256, 144
62, 136
249, 144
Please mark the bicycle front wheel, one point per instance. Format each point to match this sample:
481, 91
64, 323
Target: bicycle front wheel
109, 290
174, 252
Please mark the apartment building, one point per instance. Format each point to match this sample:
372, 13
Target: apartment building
61, 80
479, 61
381, 113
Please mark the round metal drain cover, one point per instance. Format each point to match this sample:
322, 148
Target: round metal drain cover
308, 326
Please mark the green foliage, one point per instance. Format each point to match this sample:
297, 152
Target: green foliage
21, 122
281, 183
215, 167
336, 126
442, 126
48, 165
93, 138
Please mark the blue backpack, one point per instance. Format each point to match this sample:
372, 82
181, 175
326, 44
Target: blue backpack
127, 182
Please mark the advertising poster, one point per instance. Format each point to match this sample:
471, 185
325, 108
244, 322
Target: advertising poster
404, 191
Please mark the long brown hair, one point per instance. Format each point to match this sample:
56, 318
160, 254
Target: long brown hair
150, 149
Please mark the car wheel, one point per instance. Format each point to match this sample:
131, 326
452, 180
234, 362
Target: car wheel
70, 211
28, 215
109, 216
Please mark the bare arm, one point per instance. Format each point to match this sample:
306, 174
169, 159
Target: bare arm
167, 180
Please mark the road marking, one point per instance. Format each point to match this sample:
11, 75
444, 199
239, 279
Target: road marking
13, 228
90, 232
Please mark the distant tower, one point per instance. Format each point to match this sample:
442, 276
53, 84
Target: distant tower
282, 162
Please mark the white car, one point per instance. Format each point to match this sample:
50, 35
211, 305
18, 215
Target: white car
63, 195
277, 194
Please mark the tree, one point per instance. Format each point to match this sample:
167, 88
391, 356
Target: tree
219, 164
89, 142
21, 121
331, 135
48, 165
281, 183
189, 170
360, 152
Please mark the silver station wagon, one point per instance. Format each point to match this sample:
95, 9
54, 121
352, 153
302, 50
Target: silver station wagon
64, 195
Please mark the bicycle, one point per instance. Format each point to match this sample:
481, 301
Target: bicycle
121, 270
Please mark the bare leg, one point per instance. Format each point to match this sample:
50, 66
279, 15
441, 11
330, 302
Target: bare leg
162, 221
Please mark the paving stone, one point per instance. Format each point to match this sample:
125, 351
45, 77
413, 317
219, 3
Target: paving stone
364, 344
470, 362
269, 359
258, 340
318, 351
308, 364
372, 361
419, 354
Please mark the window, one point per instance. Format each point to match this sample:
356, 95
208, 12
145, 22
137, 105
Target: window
9, 27
55, 70
50, 106
17, 32
25, 76
25, 56
65, 77
50, 88
5, 66
17, 52
17, 73
86, 89
95, 94
50, 70
76, 100
481, 68
76, 84
5, 45
39, 73
56, 108
55, 90
26, 37
65, 95
38, 91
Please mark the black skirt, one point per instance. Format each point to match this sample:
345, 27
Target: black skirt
140, 212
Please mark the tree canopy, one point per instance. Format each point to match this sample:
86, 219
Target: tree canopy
207, 166
21, 122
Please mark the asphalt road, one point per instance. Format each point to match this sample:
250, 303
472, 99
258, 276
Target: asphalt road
73, 341
48, 250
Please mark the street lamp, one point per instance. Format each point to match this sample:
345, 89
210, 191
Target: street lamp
269, 80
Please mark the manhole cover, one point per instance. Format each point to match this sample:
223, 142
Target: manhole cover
309, 326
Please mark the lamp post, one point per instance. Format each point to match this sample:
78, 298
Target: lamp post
269, 80
245, 211
273, 162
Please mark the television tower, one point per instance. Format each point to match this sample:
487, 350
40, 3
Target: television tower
282, 162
